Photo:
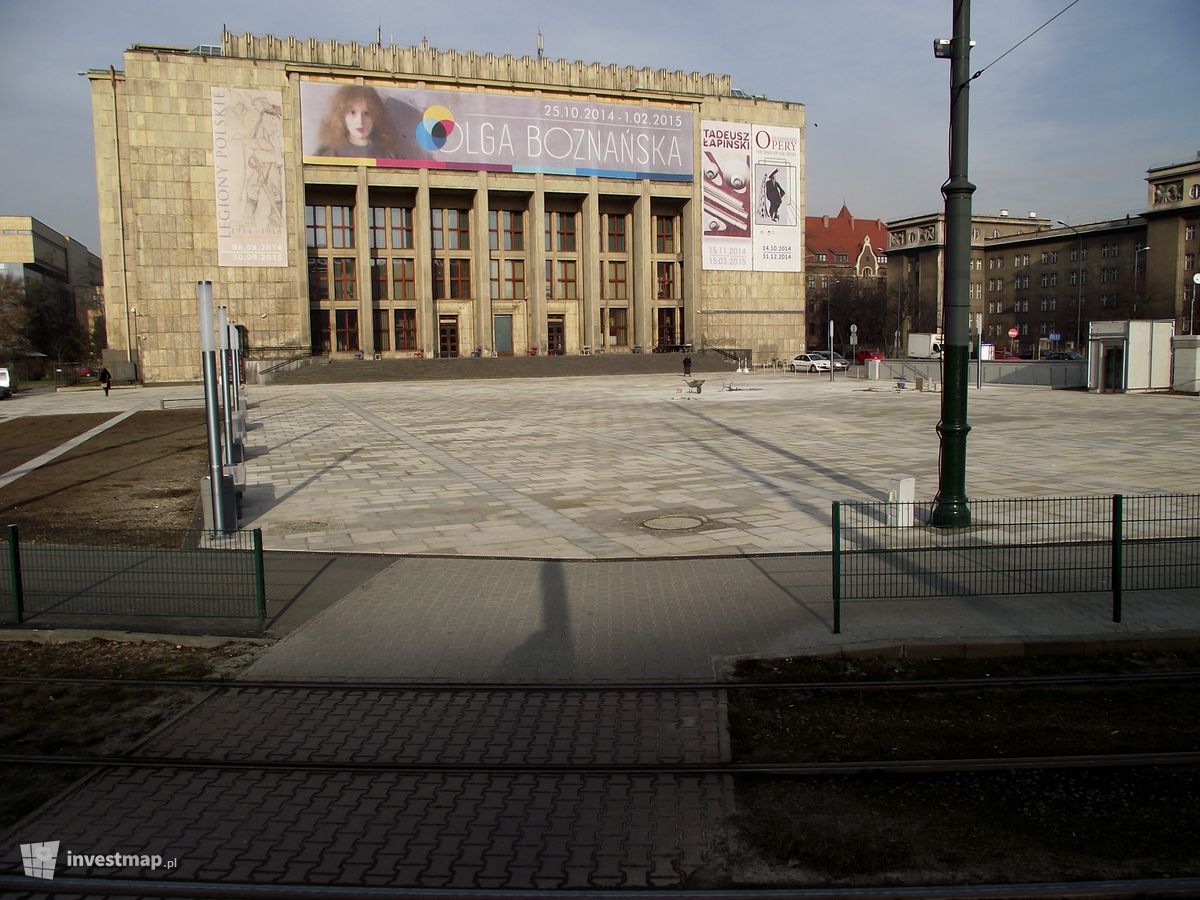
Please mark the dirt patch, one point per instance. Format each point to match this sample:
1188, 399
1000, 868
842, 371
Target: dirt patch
143, 473
28, 437
970, 828
83, 720
1015, 826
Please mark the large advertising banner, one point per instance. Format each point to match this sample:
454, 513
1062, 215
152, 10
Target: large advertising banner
777, 235
248, 169
726, 192
751, 192
351, 124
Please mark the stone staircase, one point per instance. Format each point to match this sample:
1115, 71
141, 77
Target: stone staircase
323, 371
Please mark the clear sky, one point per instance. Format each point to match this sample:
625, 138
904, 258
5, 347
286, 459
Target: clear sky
1066, 125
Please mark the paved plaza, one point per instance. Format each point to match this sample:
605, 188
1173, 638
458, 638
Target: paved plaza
572, 468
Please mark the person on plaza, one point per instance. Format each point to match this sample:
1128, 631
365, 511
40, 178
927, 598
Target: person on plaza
106, 380
687, 366
357, 124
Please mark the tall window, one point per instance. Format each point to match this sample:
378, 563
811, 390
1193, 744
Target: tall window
614, 274
562, 236
506, 230
665, 272
616, 281
664, 234
612, 237
614, 324
404, 279
562, 255
405, 329
380, 319
451, 232
332, 274
506, 243
347, 328
451, 228
668, 319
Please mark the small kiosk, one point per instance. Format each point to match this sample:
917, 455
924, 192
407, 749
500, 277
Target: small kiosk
1130, 355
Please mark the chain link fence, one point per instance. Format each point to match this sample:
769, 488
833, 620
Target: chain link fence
144, 573
1034, 545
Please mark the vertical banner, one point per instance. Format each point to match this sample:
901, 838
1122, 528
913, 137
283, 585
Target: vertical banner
776, 172
248, 169
725, 163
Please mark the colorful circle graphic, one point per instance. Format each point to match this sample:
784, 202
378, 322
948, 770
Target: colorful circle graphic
436, 126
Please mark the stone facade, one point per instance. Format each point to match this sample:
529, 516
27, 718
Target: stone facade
160, 189
1173, 236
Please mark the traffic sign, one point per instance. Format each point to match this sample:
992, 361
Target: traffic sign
1013, 332
1055, 336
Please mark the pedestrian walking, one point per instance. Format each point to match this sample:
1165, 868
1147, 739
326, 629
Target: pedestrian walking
687, 366
106, 380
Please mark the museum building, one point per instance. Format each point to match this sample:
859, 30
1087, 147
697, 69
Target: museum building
354, 199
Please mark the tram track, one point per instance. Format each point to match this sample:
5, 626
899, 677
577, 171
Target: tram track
336, 733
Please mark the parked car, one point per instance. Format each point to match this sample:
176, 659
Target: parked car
808, 362
862, 356
839, 362
84, 371
1069, 355
1003, 354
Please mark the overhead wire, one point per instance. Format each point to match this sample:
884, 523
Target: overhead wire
1023, 40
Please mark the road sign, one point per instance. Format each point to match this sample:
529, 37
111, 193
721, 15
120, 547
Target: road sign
854, 329
1013, 332
1055, 336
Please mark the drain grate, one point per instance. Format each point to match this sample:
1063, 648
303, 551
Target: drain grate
673, 523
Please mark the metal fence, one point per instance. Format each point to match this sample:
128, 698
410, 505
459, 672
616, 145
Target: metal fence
1034, 545
150, 573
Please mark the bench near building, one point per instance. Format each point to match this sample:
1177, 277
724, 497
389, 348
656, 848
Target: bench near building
350, 199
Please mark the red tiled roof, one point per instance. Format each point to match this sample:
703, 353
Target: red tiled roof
843, 234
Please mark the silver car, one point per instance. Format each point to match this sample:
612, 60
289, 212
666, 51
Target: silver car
840, 362
808, 362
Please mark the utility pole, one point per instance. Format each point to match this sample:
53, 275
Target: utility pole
950, 506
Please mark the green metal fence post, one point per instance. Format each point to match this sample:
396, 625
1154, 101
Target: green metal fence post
14, 575
260, 581
1118, 565
837, 567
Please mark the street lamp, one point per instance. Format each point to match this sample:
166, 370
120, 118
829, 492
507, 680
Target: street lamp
1078, 284
1136, 292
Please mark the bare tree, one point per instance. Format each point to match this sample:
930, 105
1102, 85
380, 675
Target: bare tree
14, 318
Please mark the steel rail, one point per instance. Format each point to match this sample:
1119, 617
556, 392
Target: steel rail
1072, 890
791, 769
598, 687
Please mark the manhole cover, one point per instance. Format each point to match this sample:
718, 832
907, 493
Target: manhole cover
673, 523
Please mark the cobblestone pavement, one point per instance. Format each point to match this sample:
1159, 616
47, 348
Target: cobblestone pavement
521, 830
434, 728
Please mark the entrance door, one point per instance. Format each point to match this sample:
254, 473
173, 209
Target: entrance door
502, 334
1114, 369
556, 336
666, 328
448, 335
